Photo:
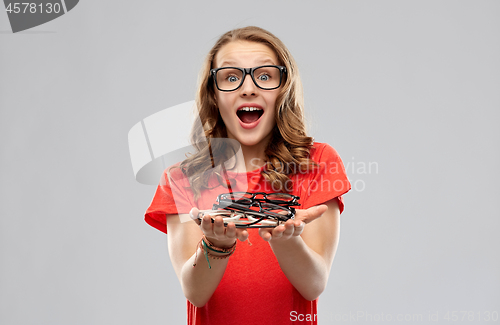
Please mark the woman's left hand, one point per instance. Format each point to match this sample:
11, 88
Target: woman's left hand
293, 227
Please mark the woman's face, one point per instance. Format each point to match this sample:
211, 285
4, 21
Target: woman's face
248, 112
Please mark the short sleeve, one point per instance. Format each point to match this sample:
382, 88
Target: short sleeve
172, 196
326, 181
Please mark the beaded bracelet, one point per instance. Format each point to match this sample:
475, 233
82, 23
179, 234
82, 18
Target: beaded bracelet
214, 248
210, 246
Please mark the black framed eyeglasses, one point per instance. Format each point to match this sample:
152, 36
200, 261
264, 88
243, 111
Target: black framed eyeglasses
243, 219
283, 199
241, 203
267, 77
273, 210
254, 210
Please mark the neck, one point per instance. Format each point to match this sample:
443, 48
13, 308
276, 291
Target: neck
254, 156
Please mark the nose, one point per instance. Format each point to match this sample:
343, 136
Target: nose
248, 88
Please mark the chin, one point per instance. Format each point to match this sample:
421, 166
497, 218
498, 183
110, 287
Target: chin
250, 141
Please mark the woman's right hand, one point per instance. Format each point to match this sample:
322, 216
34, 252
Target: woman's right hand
215, 231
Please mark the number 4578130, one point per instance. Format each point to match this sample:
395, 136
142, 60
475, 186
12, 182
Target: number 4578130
29, 7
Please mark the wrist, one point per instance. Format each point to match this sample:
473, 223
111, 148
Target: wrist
285, 244
213, 251
225, 243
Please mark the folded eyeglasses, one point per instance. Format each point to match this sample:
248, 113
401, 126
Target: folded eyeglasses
253, 210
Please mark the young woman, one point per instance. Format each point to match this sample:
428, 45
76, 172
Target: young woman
250, 91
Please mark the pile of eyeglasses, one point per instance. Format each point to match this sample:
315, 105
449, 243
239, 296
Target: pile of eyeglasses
254, 210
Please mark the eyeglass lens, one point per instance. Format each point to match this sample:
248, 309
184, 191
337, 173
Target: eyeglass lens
278, 198
264, 77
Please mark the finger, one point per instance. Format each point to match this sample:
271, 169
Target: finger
206, 226
242, 234
298, 229
231, 230
289, 228
218, 227
278, 231
265, 233
312, 213
194, 214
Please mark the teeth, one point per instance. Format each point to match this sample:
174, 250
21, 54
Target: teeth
250, 109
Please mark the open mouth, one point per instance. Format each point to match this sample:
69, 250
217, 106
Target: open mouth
249, 114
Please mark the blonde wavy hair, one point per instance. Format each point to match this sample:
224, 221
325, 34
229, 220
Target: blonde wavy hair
288, 149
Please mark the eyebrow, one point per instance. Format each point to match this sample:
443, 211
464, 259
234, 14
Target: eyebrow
231, 63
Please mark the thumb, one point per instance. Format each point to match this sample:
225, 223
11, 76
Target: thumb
312, 213
194, 213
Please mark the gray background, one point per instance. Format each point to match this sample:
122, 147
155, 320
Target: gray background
412, 86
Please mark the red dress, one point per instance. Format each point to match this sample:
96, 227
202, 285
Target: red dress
253, 289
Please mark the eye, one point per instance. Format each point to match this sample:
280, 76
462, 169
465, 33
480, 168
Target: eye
232, 78
264, 77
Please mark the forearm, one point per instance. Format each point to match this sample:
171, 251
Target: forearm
305, 269
199, 282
